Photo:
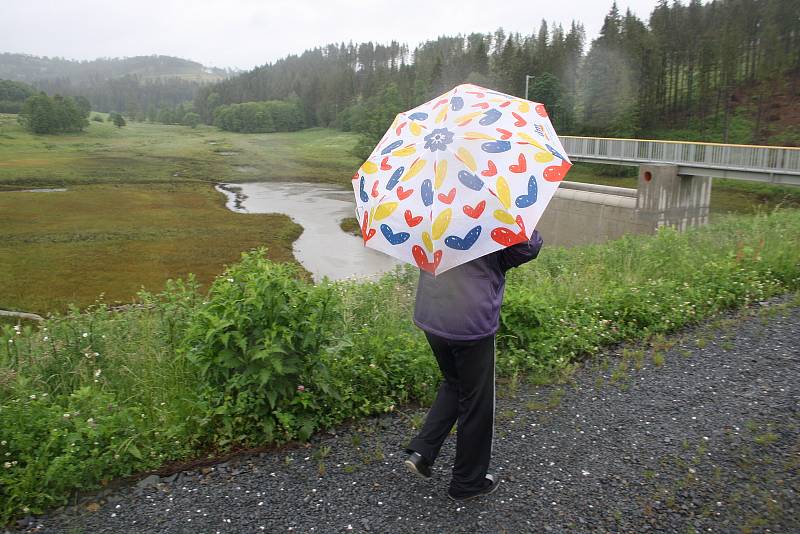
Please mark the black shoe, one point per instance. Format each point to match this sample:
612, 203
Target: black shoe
418, 465
491, 488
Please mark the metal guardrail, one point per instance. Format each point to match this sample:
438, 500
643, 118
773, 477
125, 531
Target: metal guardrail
741, 162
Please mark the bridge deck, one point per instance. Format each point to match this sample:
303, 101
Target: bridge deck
779, 165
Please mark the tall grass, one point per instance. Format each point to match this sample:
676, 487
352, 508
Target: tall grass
99, 394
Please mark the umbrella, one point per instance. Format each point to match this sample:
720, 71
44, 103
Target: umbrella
459, 177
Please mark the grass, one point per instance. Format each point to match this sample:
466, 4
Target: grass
156, 153
140, 207
70, 247
128, 381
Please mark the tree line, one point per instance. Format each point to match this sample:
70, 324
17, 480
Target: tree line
679, 68
44, 114
13, 95
260, 117
128, 85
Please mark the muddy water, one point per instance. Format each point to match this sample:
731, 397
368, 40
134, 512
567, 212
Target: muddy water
323, 248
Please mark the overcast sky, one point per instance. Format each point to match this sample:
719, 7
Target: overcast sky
246, 33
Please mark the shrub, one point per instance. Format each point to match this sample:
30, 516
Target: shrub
256, 343
42, 114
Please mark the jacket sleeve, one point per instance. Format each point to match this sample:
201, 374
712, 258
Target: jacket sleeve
516, 255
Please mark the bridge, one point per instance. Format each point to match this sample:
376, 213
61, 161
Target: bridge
778, 165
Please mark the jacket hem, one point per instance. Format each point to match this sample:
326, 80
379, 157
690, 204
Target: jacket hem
454, 337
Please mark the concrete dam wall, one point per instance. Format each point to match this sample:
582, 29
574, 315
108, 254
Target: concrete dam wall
581, 213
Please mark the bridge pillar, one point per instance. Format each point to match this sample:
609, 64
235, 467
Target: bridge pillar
666, 198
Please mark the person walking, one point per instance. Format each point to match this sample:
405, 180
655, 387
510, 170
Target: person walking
459, 311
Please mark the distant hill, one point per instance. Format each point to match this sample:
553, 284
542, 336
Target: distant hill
132, 85
30, 69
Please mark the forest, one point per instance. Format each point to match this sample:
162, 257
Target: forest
129, 85
685, 67
13, 95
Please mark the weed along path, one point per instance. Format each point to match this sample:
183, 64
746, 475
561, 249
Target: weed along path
696, 432
323, 248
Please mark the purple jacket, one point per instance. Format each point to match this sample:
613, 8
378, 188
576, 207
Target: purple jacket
463, 303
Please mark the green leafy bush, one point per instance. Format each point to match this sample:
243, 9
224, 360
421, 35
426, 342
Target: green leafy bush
94, 395
53, 445
256, 343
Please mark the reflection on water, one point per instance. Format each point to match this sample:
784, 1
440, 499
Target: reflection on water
323, 248
41, 190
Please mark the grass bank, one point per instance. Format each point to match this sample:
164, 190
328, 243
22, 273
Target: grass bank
140, 207
266, 357
70, 247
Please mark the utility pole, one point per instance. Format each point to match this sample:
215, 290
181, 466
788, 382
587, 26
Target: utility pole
527, 78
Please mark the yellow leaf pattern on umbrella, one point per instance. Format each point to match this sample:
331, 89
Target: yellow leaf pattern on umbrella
465, 119
405, 151
441, 173
426, 240
441, 223
415, 128
478, 135
503, 216
385, 209
464, 155
414, 170
503, 192
369, 167
530, 140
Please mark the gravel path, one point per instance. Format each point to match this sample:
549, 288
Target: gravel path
696, 433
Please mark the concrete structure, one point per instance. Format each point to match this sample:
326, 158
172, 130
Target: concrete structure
579, 214
780, 165
674, 186
588, 213
666, 198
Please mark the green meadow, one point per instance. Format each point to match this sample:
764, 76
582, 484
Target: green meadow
141, 208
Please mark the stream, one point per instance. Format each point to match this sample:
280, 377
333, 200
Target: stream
324, 249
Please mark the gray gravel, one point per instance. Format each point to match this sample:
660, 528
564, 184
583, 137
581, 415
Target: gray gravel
699, 433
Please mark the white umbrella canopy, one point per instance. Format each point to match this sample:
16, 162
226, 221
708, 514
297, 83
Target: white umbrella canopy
459, 177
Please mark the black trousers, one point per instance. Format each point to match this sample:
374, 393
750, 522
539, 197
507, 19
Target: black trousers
466, 395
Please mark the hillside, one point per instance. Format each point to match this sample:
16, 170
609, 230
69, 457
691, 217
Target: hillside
30, 69
131, 85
